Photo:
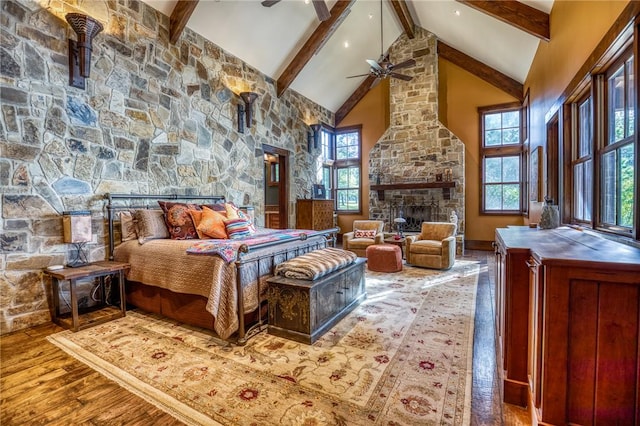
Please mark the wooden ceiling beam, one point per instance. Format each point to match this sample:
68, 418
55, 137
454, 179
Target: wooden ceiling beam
403, 14
485, 72
353, 100
179, 17
326, 28
519, 15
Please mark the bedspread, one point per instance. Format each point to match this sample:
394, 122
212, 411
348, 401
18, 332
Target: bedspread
165, 263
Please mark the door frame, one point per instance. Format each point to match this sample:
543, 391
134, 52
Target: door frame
283, 187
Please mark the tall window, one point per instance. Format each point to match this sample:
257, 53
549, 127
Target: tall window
347, 170
328, 156
501, 153
617, 156
582, 163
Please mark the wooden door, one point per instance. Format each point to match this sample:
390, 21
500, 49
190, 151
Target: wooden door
276, 187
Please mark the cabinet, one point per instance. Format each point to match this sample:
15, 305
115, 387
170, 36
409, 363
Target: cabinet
303, 310
314, 214
582, 324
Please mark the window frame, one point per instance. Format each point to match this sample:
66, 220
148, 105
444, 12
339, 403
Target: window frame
579, 158
501, 151
624, 47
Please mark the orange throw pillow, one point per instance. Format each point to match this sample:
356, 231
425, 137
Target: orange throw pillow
209, 223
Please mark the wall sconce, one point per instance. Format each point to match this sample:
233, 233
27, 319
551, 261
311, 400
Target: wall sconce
86, 29
245, 111
76, 226
316, 134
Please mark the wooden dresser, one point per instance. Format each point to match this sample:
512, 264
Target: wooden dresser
314, 214
568, 325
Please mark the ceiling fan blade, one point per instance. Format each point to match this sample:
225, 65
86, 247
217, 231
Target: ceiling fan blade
401, 76
269, 3
359, 75
405, 64
321, 10
374, 64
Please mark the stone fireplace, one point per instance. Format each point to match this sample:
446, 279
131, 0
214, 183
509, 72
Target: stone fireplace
417, 166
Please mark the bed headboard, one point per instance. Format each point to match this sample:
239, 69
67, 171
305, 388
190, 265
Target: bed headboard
117, 202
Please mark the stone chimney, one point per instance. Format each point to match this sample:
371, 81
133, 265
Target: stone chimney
417, 148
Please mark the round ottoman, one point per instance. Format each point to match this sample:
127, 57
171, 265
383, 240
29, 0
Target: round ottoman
384, 258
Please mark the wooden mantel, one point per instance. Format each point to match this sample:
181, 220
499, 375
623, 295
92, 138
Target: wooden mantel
446, 194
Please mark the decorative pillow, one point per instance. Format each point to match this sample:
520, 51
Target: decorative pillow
237, 228
233, 212
209, 223
364, 233
127, 226
218, 207
178, 220
150, 225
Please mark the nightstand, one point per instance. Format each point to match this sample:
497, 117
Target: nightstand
79, 319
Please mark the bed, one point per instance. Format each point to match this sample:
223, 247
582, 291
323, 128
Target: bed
216, 284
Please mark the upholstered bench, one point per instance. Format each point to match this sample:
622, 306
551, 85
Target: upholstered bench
384, 258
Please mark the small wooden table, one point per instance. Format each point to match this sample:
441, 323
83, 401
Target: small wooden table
94, 315
395, 242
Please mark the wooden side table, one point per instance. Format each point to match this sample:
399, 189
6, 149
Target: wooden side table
94, 315
399, 243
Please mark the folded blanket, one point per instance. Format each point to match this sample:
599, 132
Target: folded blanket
315, 264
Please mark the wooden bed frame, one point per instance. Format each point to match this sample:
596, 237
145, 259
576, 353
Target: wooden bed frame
191, 307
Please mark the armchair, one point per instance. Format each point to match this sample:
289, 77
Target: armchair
359, 243
434, 247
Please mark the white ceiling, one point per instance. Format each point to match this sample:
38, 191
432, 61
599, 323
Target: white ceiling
269, 38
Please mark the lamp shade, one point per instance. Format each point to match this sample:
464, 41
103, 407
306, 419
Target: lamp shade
400, 220
76, 226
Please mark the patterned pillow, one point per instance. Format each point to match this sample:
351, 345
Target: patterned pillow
233, 212
178, 220
150, 225
127, 226
237, 228
364, 233
209, 223
217, 207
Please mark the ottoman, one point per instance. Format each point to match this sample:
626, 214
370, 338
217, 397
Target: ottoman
384, 258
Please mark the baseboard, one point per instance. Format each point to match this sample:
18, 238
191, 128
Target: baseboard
478, 245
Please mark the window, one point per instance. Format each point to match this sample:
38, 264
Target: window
604, 146
326, 143
582, 164
347, 170
617, 157
502, 153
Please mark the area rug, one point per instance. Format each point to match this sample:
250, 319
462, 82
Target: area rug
403, 357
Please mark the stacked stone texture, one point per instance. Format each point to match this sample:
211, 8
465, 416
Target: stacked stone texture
155, 118
416, 146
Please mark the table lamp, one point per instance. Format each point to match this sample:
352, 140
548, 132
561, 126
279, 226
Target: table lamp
76, 226
399, 221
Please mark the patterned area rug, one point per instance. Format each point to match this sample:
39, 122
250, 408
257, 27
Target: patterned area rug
403, 357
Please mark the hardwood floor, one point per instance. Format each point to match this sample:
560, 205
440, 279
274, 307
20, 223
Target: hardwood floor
40, 384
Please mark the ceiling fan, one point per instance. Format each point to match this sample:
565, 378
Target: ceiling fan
383, 67
321, 8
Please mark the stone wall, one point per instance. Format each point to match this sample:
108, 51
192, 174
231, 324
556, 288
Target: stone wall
154, 118
416, 146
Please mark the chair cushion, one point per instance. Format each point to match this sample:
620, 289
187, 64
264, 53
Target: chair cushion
426, 247
360, 243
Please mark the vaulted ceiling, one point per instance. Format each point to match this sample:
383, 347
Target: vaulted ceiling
495, 40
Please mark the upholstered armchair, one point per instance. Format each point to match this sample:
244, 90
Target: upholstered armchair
434, 247
364, 234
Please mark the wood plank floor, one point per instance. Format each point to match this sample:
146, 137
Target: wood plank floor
40, 384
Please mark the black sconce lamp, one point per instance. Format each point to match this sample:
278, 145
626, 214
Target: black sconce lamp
316, 134
86, 29
246, 110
